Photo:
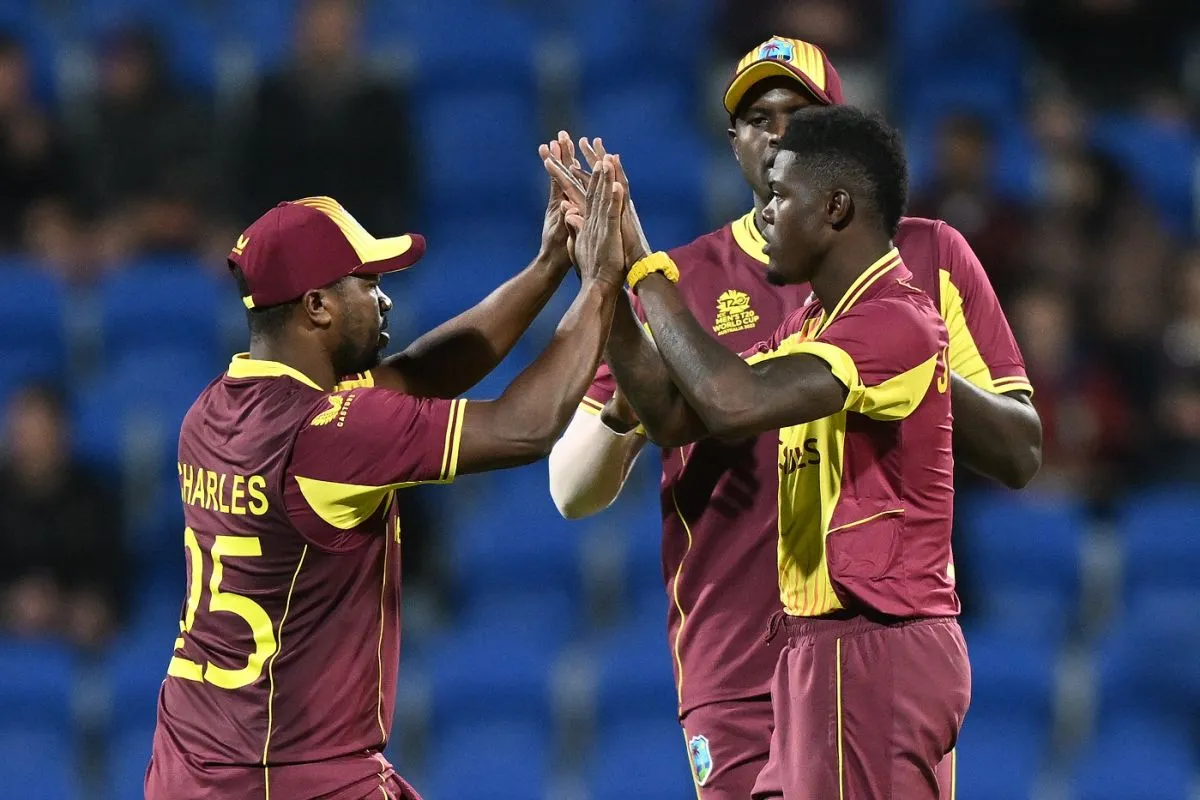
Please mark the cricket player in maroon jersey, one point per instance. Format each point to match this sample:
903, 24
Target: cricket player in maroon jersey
719, 503
872, 681
283, 679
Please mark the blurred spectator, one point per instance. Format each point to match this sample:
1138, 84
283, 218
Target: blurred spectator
35, 166
844, 29
961, 193
1085, 415
149, 153
61, 551
1115, 53
1178, 411
324, 125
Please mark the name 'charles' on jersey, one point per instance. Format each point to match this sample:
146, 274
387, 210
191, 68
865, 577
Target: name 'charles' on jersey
283, 679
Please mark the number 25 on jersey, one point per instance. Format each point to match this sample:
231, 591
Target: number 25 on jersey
254, 615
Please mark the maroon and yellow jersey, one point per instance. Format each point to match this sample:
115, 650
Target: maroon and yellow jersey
283, 678
719, 502
866, 495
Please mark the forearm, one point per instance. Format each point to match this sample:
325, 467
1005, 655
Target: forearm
589, 465
456, 355
646, 383
996, 435
716, 384
538, 404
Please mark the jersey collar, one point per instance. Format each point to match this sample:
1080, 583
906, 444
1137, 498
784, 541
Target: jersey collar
243, 366
863, 283
746, 234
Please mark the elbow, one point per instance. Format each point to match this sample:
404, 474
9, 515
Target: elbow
1026, 462
1025, 456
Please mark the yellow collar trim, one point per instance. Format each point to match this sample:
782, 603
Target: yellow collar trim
243, 366
869, 277
746, 234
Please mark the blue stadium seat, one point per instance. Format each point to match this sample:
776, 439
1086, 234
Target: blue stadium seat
479, 151
500, 760
37, 678
1151, 659
998, 755
452, 56
489, 672
1137, 758
533, 547
39, 764
1158, 529
1027, 553
172, 303
1012, 676
643, 758
1161, 159
129, 756
32, 330
634, 675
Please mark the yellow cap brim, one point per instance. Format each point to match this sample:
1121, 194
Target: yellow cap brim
760, 71
381, 256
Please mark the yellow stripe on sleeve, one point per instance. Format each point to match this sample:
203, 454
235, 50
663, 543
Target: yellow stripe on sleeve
897, 397
453, 440
593, 407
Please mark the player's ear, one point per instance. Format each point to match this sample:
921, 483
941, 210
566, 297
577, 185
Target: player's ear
317, 306
839, 208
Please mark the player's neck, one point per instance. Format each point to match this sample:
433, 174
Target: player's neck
759, 205
843, 266
313, 366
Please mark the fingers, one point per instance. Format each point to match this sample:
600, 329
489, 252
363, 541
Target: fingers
602, 203
622, 178
571, 188
589, 154
598, 147
618, 200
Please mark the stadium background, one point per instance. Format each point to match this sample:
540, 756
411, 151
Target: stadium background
137, 136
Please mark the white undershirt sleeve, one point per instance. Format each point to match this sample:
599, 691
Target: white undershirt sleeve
589, 465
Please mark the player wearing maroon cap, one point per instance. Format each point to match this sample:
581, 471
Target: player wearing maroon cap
719, 500
283, 679
872, 683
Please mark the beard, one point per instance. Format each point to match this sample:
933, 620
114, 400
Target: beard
775, 277
351, 357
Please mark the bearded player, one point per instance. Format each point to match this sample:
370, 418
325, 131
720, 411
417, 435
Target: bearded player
283, 679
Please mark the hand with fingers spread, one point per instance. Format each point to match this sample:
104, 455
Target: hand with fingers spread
636, 245
599, 248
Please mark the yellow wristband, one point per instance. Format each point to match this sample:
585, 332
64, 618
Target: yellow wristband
655, 262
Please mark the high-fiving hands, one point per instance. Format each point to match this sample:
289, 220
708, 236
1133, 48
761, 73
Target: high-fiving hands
594, 219
563, 166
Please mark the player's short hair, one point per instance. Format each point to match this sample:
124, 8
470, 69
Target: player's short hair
844, 145
267, 321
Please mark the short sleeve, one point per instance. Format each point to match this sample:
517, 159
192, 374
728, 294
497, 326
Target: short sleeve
357, 446
886, 376
983, 349
796, 326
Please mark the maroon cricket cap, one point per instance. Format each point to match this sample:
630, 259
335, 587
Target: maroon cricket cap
791, 58
305, 244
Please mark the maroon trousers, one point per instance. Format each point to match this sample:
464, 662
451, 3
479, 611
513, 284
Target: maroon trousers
866, 710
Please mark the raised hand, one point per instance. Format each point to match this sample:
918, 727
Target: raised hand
556, 247
636, 244
597, 225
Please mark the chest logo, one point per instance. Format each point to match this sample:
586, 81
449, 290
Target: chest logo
330, 414
734, 313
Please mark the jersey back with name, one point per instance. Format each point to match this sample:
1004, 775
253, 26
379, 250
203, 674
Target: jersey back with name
283, 676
